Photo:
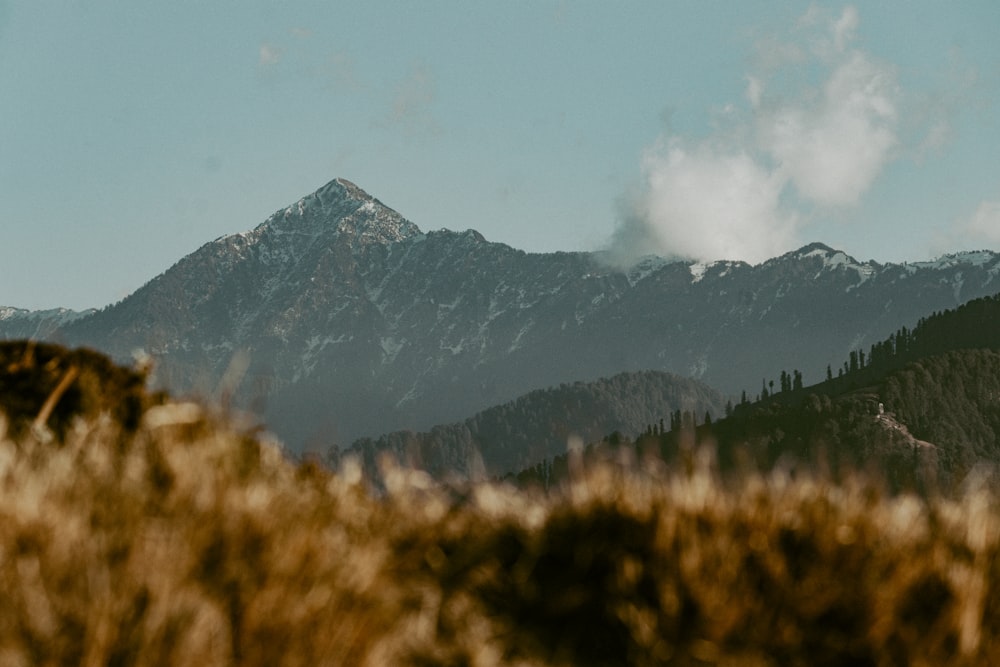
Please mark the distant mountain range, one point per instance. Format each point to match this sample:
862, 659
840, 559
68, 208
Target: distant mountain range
35, 324
349, 321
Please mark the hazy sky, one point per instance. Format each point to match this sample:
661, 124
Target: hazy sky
134, 131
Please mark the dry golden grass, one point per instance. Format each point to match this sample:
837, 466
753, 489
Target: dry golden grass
189, 543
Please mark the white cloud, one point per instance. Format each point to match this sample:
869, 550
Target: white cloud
706, 202
744, 192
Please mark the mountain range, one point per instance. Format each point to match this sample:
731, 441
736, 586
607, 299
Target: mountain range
345, 320
35, 324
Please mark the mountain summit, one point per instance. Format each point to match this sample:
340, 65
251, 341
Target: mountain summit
341, 208
351, 322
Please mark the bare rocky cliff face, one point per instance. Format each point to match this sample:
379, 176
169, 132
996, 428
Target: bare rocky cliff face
352, 322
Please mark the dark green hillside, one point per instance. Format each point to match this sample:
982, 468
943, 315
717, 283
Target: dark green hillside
952, 399
926, 396
974, 325
924, 404
920, 409
931, 421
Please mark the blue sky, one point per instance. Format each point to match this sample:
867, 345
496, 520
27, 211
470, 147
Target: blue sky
134, 131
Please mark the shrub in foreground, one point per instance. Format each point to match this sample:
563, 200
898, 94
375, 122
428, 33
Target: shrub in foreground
193, 543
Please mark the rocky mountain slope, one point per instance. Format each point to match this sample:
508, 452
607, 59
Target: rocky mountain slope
350, 321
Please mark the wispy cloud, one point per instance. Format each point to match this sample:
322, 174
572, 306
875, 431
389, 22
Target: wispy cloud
411, 104
799, 143
341, 70
978, 228
269, 55
984, 225
957, 90
832, 146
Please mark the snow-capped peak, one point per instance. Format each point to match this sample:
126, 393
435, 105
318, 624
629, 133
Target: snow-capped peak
816, 250
831, 258
60, 315
342, 208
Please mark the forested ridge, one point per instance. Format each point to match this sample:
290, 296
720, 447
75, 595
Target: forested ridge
920, 408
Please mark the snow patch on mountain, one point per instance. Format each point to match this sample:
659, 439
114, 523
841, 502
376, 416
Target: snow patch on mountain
836, 260
698, 271
970, 258
390, 348
517, 343
864, 271
60, 315
644, 268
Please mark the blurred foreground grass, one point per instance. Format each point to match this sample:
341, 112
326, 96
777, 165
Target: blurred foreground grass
186, 542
